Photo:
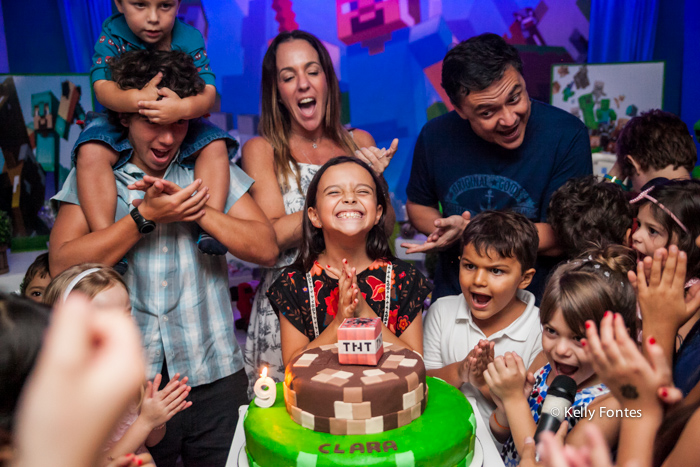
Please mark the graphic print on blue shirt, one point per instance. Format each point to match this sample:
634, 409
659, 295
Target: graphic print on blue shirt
488, 192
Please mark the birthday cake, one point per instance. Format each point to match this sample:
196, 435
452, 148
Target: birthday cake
326, 414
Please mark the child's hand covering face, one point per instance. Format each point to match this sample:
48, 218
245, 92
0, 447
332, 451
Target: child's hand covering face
660, 285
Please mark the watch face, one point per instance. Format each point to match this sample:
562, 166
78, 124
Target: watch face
148, 227
145, 226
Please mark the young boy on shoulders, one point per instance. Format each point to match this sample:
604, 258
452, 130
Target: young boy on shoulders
494, 314
149, 25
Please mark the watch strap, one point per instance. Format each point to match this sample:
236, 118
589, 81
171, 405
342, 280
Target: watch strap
144, 225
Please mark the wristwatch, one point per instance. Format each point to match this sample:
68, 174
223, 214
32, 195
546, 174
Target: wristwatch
144, 225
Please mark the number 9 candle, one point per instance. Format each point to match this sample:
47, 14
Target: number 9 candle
265, 390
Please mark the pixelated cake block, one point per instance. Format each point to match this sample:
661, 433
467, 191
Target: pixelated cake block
360, 341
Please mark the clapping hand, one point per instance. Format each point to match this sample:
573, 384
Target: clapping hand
508, 378
159, 405
378, 159
348, 291
553, 452
476, 362
447, 231
166, 202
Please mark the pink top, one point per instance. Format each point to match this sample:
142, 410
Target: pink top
130, 416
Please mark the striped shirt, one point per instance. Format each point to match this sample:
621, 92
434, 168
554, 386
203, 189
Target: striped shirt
180, 296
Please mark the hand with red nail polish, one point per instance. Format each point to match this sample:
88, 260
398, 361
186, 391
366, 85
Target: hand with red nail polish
632, 378
662, 297
640, 384
142, 460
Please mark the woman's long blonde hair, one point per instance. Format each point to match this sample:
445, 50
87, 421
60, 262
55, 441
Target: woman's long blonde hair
275, 121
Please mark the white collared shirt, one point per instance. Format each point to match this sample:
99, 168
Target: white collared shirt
449, 334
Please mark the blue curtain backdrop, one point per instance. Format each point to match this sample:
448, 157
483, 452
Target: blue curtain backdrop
82, 21
622, 30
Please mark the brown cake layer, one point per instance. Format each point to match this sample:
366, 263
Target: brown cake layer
323, 395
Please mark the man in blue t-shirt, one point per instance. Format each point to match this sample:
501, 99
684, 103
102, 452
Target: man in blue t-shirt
497, 150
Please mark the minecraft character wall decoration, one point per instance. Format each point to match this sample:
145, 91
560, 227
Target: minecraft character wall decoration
371, 22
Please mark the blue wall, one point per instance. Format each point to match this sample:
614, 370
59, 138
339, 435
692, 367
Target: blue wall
669, 47
690, 91
4, 65
34, 37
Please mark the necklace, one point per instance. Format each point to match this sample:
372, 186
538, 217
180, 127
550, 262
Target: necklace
314, 142
307, 157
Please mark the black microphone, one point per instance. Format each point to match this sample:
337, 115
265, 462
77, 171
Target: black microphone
559, 398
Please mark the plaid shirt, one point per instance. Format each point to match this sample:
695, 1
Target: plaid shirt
180, 296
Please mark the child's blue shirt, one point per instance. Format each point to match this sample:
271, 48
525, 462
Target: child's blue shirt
116, 38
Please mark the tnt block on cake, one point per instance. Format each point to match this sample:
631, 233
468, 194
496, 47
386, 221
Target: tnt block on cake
360, 341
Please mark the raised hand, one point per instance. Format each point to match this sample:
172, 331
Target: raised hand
507, 377
637, 383
553, 453
159, 406
483, 355
348, 291
170, 108
447, 231
378, 159
88, 371
660, 284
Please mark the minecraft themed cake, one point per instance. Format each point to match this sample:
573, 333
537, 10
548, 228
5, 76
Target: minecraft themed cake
327, 413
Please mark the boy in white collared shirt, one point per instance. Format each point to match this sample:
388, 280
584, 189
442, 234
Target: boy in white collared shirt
497, 263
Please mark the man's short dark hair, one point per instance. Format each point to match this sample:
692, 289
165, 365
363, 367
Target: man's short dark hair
134, 69
475, 64
507, 233
587, 213
656, 139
